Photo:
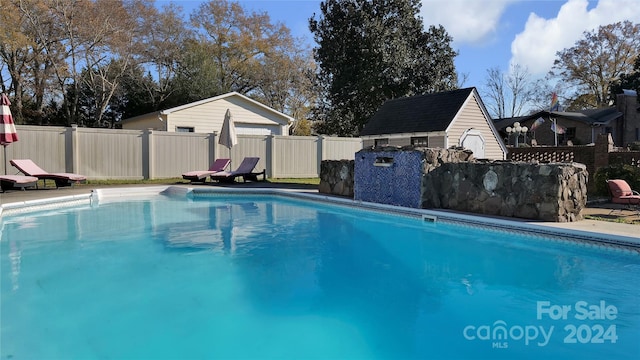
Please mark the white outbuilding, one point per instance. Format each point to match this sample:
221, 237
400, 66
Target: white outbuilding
439, 120
206, 116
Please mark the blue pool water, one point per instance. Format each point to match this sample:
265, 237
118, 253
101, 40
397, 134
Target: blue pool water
265, 277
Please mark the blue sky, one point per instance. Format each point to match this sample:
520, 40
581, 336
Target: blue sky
486, 33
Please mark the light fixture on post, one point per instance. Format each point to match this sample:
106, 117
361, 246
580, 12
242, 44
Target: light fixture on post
524, 130
517, 130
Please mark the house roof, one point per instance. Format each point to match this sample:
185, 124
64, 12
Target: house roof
590, 117
421, 113
215, 98
594, 116
504, 122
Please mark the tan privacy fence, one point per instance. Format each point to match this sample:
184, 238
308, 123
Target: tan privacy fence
134, 154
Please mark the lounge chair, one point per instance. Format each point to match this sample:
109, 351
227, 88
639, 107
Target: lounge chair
621, 193
245, 170
201, 175
17, 181
29, 168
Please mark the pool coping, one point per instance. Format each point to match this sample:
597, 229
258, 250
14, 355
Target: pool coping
45, 204
552, 230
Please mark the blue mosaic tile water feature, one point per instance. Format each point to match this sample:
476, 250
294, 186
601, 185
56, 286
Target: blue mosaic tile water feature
389, 177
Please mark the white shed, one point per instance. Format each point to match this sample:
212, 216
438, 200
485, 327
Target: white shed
206, 116
439, 120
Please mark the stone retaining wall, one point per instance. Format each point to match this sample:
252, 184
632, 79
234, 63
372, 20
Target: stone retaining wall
336, 177
550, 192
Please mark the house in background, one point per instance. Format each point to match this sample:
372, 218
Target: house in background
628, 129
580, 127
206, 116
445, 119
575, 127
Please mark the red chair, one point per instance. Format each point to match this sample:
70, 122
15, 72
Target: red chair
621, 193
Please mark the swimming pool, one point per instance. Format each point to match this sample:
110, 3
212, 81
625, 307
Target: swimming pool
264, 276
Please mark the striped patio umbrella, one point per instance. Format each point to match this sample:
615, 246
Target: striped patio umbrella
7, 128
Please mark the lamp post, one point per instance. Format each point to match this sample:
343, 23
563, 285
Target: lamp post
517, 130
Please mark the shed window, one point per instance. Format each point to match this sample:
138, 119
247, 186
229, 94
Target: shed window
184, 129
381, 142
420, 141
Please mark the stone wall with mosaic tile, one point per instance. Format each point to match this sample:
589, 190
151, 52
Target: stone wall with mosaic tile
389, 177
452, 179
392, 175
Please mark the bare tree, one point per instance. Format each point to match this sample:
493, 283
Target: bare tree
542, 92
15, 51
286, 83
519, 85
23, 55
163, 48
112, 30
495, 93
74, 45
57, 25
509, 94
462, 79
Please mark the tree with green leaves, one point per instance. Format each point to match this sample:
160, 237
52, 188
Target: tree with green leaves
597, 60
163, 50
370, 51
628, 81
133, 96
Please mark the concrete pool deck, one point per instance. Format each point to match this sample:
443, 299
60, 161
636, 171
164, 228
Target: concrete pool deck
602, 210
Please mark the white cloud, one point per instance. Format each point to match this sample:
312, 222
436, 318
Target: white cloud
466, 21
536, 46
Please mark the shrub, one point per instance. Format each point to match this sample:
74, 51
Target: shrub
634, 146
628, 173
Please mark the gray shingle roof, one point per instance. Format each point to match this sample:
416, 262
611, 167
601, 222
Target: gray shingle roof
422, 113
588, 117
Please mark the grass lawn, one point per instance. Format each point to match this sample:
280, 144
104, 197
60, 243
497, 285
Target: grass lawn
303, 181
615, 219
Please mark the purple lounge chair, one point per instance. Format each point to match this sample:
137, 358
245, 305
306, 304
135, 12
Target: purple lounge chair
245, 170
29, 168
17, 181
201, 175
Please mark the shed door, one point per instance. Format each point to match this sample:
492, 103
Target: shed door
474, 141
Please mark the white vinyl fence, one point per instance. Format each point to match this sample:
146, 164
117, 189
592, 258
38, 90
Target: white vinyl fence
149, 154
